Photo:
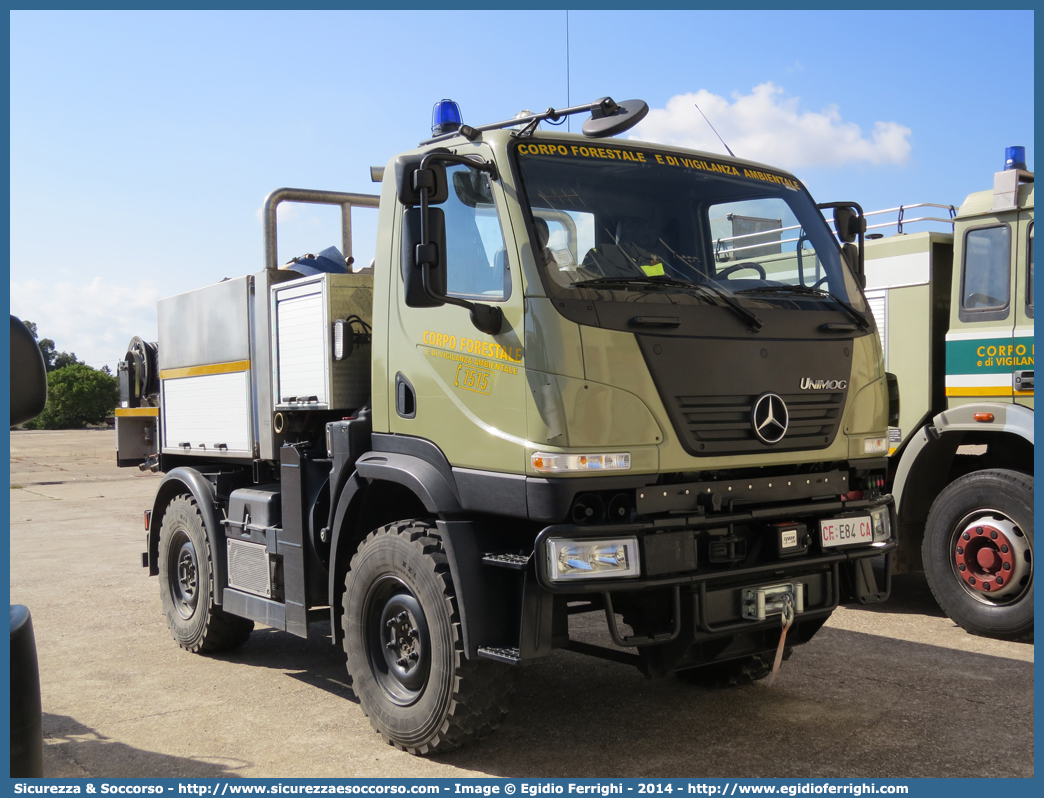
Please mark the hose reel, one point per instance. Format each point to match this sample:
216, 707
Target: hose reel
139, 374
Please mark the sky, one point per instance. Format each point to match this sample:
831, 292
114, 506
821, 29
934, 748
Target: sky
143, 144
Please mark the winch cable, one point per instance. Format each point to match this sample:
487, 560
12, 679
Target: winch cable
787, 619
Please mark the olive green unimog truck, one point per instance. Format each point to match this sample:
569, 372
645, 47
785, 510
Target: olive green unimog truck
955, 314
583, 375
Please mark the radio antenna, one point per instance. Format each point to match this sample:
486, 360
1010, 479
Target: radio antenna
568, 101
726, 146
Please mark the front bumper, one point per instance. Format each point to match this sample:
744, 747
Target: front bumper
692, 610
648, 533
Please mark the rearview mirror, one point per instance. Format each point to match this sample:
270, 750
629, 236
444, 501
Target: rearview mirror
848, 223
610, 118
28, 375
410, 178
415, 253
472, 188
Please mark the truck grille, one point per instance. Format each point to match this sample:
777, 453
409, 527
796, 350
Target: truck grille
709, 390
721, 424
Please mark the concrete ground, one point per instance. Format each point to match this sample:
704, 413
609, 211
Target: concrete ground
892, 691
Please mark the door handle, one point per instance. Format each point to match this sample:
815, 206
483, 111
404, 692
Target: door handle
1023, 380
405, 397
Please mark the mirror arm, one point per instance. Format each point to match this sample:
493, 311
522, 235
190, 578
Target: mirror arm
486, 318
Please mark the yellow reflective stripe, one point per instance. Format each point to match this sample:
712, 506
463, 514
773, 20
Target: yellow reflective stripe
137, 411
983, 391
199, 371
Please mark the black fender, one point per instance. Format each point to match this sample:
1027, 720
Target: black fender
425, 481
189, 480
353, 488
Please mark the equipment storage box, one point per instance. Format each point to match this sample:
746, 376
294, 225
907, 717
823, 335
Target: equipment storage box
204, 365
305, 375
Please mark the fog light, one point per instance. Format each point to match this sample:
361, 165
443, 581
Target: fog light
558, 463
881, 520
875, 445
592, 559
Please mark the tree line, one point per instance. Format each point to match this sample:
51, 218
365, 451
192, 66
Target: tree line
77, 395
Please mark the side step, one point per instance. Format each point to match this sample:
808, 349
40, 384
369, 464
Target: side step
517, 562
512, 656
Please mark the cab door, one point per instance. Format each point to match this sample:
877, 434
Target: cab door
1022, 378
979, 344
452, 384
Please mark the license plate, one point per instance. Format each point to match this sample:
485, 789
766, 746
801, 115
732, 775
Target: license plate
845, 531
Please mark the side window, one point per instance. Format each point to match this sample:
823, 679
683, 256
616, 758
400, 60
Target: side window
1029, 273
986, 273
476, 258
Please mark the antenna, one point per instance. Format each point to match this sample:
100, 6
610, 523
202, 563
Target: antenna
568, 101
726, 146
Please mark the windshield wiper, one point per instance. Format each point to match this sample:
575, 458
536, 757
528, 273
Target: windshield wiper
716, 295
807, 290
647, 280
752, 319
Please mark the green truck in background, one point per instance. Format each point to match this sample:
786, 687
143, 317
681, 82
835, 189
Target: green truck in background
955, 314
580, 376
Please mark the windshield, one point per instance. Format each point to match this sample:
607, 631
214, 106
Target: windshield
625, 219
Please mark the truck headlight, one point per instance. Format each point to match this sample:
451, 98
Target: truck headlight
875, 445
881, 520
592, 559
559, 463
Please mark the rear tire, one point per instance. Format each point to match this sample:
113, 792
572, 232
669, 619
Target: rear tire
186, 571
978, 553
402, 636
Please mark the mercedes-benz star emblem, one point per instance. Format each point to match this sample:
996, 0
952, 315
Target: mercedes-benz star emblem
770, 418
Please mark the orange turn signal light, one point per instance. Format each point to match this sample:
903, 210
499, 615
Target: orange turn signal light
985, 418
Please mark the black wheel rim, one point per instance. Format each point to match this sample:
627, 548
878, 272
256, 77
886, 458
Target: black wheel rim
183, 574
397, 640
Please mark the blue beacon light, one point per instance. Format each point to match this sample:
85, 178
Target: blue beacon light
1014, 158
445, 117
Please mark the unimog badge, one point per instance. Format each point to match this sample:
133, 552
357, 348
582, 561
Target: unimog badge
809, 384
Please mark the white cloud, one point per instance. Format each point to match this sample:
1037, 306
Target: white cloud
96, 321
770, 127
285, 211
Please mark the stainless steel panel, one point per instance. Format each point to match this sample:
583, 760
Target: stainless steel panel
350, 378
208, 325
135, 439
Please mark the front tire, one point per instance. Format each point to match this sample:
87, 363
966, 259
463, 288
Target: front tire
978, 553
186, 571
402, 636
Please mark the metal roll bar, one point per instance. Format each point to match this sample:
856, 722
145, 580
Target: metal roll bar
312, 197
